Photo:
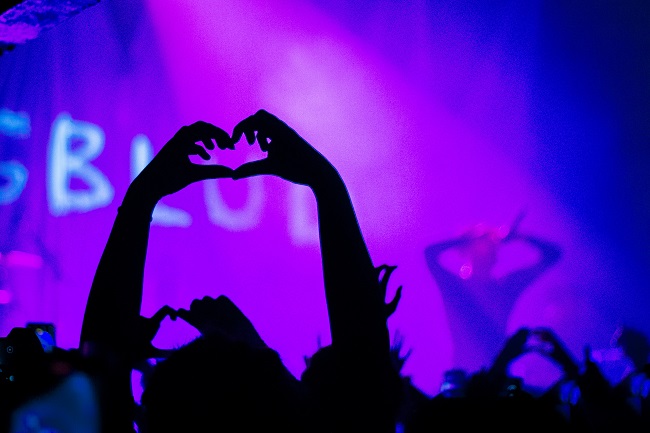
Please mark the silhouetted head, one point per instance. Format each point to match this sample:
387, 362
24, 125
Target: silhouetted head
216, 384
332, 386
634, 343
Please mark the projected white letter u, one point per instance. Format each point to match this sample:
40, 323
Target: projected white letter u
235, 219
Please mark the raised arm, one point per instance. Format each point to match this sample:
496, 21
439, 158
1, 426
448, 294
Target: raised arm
549, 254
356, 308
433, 253
112, 326
113, 306
350, 277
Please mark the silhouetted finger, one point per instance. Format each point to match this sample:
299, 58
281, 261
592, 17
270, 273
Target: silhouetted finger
265, 119
388, 270
163, 312
385, 269
207, 142
392, 305
253, 168
203, 303
206, 132
199, 150
185, 315
248, 126
225, 304
379, 269
222, 138
249, 134
263, 141
203, 133
223, 299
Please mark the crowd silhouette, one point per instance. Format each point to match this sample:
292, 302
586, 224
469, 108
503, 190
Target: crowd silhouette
229, 380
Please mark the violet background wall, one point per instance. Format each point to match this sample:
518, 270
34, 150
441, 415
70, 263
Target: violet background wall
439, 116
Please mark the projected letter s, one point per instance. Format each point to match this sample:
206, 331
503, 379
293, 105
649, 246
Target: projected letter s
16, 175
64, 163
163, 215
15, 125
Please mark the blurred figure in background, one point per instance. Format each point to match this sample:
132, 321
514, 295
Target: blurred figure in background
492, 397
478, 303
634, 387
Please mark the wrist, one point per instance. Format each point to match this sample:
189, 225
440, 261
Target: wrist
332, 183
138, 201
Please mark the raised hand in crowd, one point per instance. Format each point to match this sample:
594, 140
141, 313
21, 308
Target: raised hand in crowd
209, 315
112, 325
364, 375
550, 345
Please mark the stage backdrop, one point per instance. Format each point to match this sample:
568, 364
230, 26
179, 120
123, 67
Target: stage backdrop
439, 116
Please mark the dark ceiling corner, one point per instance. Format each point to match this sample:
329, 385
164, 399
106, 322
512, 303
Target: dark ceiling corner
22, 21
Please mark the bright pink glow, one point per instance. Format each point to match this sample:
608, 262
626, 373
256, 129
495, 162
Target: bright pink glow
465, 271
5, 296
22, 259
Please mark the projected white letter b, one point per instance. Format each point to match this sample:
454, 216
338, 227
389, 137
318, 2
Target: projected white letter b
66, 162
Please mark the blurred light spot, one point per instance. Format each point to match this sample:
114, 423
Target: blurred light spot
465, 271
21, 259
502, 232
15, 175
5, 296
14, 124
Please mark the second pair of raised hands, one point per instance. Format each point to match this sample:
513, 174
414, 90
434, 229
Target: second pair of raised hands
208, 315
289, 156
